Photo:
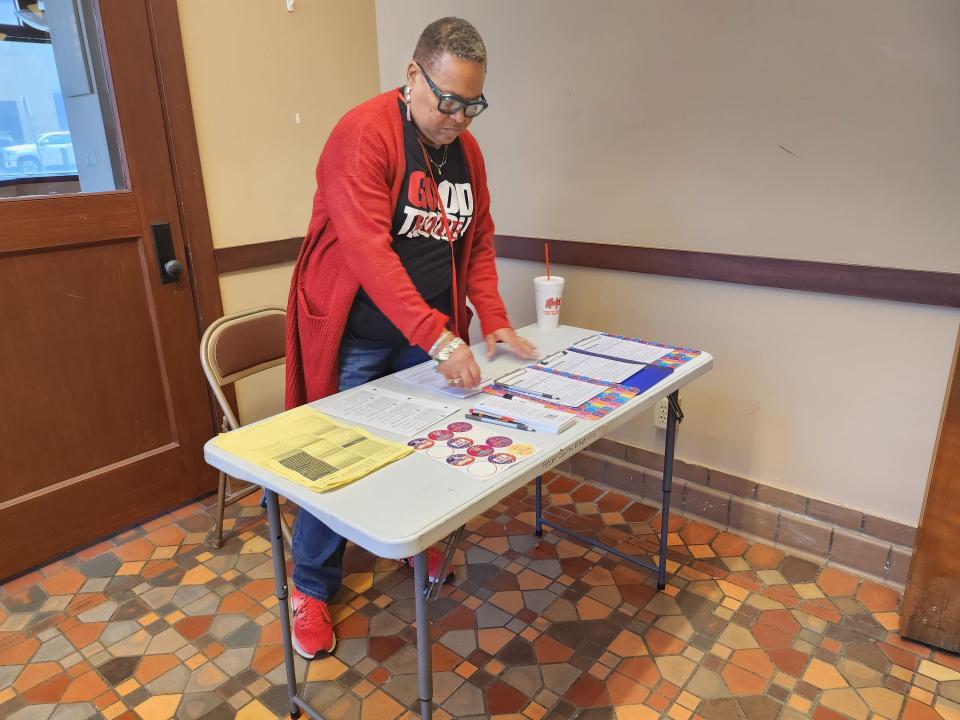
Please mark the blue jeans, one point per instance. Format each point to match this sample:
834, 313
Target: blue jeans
318, 550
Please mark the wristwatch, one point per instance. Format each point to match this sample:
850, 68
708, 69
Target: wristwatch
447, 350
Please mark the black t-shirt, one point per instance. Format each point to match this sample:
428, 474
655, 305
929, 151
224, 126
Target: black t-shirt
419, 239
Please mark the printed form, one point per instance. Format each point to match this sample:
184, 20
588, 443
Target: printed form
427, 376
545, 385
385, 410
614, 347
595, 368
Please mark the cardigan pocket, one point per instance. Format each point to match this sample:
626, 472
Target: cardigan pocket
319, 339
306, 309
314, 329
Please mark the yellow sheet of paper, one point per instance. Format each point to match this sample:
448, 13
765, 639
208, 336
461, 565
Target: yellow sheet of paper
311, 449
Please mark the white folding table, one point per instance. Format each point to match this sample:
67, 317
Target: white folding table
406, 507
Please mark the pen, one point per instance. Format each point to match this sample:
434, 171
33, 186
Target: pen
483, 413
504, 423
524, 391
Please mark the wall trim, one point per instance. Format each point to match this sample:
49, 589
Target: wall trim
924, 287
914, 286
257, 255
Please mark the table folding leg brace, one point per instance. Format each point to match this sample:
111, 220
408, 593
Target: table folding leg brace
674, 417
424, 590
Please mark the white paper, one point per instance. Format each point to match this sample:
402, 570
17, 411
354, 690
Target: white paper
529, 413
595, 368
385, 410
554, 388
476, 449
426, 376
623, 349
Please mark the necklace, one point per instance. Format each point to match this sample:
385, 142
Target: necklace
443, 162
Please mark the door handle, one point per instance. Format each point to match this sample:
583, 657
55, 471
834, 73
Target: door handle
173, 268
170, 267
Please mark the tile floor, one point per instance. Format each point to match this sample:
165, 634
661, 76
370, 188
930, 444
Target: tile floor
154, 625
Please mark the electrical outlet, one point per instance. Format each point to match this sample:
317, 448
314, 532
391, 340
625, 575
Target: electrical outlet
660, 413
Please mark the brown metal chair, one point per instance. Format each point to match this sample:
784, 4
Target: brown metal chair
232, 348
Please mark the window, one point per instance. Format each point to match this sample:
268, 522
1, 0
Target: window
57, 133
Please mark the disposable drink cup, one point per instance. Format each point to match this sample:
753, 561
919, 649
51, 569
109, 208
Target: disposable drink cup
548, 294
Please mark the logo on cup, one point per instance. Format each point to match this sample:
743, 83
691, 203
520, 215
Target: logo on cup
551, 306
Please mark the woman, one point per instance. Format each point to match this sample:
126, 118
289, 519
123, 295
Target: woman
399, 237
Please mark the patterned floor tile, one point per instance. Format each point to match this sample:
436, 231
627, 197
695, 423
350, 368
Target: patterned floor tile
155, 624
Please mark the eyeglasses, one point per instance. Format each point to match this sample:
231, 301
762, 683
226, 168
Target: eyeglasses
451, 104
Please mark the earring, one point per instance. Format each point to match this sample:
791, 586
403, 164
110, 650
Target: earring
406, 97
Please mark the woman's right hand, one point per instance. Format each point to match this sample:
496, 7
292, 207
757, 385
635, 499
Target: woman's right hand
460, 369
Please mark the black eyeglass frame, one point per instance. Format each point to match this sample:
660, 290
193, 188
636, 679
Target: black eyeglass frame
461, 103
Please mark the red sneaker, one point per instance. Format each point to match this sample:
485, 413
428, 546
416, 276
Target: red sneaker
434, 561
312, 626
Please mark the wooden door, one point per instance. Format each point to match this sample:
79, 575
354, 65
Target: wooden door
930, 611
103, 406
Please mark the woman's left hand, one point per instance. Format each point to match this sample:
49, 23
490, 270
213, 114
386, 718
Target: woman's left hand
517, 344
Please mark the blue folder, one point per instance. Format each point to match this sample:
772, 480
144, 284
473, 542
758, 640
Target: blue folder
646, 378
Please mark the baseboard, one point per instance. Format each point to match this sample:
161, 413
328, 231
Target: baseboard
815, 529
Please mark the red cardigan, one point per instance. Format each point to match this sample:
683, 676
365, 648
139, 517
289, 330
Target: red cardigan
359, 177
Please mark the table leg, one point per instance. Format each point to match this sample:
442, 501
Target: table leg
453, 540
424, 658
668, 447
539, 493
674, 416
280, 578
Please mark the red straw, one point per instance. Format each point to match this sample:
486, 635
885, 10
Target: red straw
546, 254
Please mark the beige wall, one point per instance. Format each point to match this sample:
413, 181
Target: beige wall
253, 68
658, 124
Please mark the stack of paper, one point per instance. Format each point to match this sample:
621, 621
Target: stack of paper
385, 410
311, 449
531, 414
427, 377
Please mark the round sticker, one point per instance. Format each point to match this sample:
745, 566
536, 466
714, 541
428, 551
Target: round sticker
459, 443
480, 451
482, 469
460, 460
439, 451
420, 443
521, 449
502, 458
459, 427
499, 441
440, 435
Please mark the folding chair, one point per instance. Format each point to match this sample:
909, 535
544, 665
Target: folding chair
232, 348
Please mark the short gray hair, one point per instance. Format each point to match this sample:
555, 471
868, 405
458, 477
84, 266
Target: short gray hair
450, 35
